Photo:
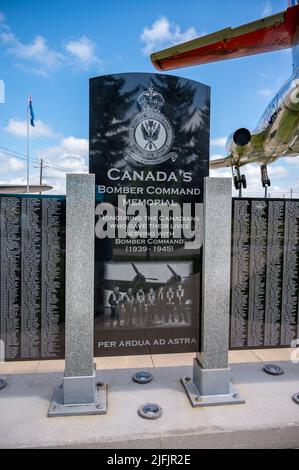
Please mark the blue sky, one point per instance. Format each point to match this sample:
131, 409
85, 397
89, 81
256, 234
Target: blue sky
51, 49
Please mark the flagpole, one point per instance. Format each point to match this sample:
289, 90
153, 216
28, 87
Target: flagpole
28, 187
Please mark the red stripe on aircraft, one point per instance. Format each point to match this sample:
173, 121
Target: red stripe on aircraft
280, 36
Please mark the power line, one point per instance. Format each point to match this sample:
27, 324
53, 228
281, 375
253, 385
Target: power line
16, 154
22, 156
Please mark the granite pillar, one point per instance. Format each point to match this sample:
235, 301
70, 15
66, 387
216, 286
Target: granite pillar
79, 288
79, 393
216, 273
211, 375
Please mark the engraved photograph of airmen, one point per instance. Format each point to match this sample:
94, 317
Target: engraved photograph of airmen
181, 304
140, 307
143, 295
115, 302
161, 301
151, 300
170, 305
129, 307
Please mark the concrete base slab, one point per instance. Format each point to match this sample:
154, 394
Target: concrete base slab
58, 409
268, 420
199, 401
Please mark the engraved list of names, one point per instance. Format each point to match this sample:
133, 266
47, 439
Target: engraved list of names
265, 271
32, 254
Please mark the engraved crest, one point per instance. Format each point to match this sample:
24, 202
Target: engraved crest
151, 134
151, 131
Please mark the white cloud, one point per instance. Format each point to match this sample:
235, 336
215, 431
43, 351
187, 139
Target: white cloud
70, 155
16, 181
75, 146
221, 173
278, 171
11, 165
292, 161
2, 17
39, 58
12, 170
162, 33
266, 92
19, 129
74, 163
42, 58
219, 142
279, 175
267, 9
6, 37
83, 50
15, 164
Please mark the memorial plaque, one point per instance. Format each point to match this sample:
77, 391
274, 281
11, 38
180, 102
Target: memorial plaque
32, 253
149, 150
265, 267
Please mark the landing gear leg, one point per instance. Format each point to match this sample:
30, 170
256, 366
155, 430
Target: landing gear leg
265, 179
239, 180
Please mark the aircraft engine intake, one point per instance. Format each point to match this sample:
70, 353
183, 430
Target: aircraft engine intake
242, 137
238, 142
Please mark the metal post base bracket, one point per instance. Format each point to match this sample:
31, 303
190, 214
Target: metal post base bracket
3, 383
198, 401
59, 409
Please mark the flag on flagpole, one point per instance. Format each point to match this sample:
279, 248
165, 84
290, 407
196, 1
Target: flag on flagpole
32, 117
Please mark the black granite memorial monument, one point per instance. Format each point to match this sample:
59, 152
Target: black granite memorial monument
149, 150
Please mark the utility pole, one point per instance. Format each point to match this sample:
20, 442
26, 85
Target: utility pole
41, 172
28, 149
41, 167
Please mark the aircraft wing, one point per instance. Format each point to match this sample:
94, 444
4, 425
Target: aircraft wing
124, 286
110, 285
275, 32
224, 162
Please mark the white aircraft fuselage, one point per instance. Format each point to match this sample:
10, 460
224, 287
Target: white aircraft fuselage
277, 134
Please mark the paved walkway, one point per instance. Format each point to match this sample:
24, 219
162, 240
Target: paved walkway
269, 419
133, 362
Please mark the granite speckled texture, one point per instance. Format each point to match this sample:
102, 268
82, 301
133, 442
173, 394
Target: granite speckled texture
80, 229
216, 273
